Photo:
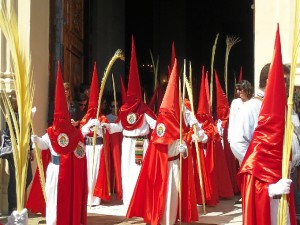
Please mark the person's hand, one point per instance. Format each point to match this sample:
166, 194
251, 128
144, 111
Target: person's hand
74, 123
279, 188
106, 126
193, 121
96, 123
182, 147
34, 138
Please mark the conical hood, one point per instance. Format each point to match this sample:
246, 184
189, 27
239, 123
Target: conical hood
94, 90
222, 101
267, 141
123, 90
203, 104
93, 99
63, 135
168, 120
134, 86
173, 56
207, 91
61, 106
171, 97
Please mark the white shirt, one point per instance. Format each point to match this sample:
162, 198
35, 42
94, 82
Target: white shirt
246, 122
235, 106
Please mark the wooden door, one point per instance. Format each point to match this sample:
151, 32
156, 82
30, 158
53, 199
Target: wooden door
73, 42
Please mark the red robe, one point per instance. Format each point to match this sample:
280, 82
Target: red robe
216, 167
72, 190
116, 147
102, 186
148, 198
36, 201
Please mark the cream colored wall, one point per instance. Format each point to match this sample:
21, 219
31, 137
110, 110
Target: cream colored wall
39, 42
267, 14
33, 22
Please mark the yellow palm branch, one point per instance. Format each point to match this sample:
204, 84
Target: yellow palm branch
282, 211
22, 75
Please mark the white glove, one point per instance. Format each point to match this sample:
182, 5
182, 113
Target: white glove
220, 128
35, 138
193, 121
17, 218
96, 123
200, 136
279, 188
182, 148
86, 128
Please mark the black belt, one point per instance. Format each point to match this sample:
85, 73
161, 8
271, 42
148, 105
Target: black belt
89, 141
55, 159
136, 137
173, 157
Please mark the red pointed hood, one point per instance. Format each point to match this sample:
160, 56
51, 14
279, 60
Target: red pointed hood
134, 87
132, 111
93, 99
222, 102
167, 123
207, 91
171, 97
173, 56
267, 141
64, 137
123, 90
203, 102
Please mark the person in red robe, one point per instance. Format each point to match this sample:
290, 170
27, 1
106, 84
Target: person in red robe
98, 158
260, 176
66, 176
156, 197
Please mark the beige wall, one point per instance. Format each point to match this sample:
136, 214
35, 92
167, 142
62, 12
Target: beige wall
33, 22
39, 42
267, 14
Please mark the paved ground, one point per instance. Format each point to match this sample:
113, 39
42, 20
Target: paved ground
113, 213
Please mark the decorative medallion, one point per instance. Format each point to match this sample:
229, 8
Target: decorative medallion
79, 151
160, 129
131, 118
63, 140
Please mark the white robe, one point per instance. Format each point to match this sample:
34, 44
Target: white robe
129, 169
92, 172
172, 201
51, 182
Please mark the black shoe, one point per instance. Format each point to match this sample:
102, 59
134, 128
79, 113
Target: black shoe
238, 202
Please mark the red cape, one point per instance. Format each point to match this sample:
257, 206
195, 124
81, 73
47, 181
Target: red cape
116, 147
72, 190
101, 188
216, 165
36, 201
149, 195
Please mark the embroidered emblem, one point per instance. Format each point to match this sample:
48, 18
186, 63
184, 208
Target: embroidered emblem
131, 118
79, 151
63, 140
160, 129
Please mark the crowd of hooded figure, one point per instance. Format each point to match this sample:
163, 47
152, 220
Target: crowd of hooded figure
163, 159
